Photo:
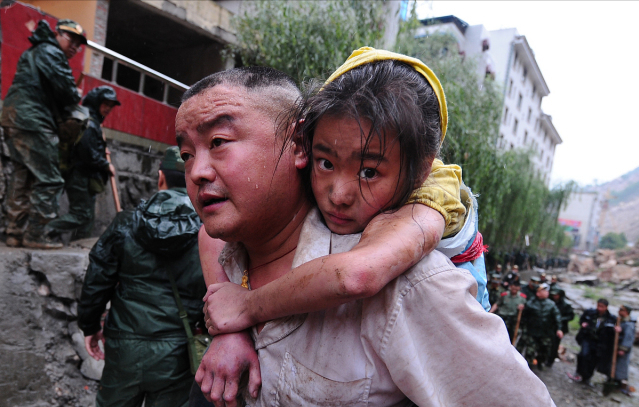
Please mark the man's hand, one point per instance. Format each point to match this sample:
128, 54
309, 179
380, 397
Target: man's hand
91, 344
621, 353
560, 334
618, 329
226, 309
227, 358
584, 325
520, 306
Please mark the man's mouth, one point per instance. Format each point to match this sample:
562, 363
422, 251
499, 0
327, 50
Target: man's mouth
213, 201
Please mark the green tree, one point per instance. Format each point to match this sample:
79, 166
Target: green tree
307, 39
613, 241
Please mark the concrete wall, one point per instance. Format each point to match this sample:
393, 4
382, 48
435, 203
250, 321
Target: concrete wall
584, 207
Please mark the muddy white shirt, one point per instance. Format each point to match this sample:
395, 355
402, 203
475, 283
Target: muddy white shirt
423, 339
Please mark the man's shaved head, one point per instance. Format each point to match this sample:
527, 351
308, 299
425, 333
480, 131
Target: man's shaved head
274, 91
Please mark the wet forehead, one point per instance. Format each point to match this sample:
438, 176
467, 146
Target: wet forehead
218, 100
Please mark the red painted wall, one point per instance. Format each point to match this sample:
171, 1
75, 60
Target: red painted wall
139, 115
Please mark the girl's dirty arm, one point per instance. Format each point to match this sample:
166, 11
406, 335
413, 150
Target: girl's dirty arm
390, 244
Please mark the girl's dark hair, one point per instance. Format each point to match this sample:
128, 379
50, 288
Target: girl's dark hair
395, 100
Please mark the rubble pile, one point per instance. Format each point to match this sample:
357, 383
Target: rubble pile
609, 265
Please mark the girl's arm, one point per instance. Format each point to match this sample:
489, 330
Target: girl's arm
390, 244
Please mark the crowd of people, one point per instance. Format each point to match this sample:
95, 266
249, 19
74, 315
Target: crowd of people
343, 261
537, 317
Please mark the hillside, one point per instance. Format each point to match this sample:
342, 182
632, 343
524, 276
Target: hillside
623, 205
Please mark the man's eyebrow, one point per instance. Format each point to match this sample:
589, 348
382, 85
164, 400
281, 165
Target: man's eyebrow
216, 121
179, 138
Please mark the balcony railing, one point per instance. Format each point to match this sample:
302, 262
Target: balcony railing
151, 83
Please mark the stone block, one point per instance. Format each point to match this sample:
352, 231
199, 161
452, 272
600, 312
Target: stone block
61, 269
92, 369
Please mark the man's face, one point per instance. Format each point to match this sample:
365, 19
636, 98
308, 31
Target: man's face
513, 289
70, 43
231, 155
601, 308
542, 294
555, 297
106, 106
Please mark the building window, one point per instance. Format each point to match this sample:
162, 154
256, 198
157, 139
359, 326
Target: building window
505, 115
525, 74
534, 91
500, 143
521, 98
542, 155
510, 88
515, 61
511, 146
515, 126
529, 114
525, 137
485, 45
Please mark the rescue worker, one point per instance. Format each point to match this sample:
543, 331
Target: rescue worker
542, 321
626, 340
508, 306
553, 283
145, 344
530, 289
512, 276
88, 169
596, 337
42, 87
495, 290
567, 314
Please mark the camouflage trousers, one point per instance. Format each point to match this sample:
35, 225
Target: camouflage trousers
535, 347
81, 213
36, 183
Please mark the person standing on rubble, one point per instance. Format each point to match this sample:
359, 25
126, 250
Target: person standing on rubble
88, 169
42, 87
596, 337
131, 265
508, 306
626, 340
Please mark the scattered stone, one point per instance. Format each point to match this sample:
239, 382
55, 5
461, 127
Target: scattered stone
78, 344
61, 269
92, 369
581, 264
586, 280
44, 290
57, 309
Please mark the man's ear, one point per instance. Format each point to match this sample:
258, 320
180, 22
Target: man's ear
162, 185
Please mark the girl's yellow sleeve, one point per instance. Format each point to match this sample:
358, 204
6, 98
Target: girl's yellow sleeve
440, 191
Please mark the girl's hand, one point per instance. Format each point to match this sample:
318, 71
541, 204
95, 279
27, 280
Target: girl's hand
226, 309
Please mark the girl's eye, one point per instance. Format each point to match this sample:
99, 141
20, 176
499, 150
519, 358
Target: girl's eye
325, 164
217, 142
368, 173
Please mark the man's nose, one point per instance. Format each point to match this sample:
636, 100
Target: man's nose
343, 191
201, 170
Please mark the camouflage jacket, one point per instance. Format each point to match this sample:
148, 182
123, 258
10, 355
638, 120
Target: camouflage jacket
541, 317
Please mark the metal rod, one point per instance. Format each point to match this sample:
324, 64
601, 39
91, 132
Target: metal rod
141, 89
114, 71
119, 58
165, 96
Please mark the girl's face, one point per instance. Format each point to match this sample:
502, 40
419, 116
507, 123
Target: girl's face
348, 193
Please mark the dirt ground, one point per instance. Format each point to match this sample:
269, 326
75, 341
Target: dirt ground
564, 391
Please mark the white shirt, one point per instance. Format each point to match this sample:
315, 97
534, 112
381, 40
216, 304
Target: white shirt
423, 338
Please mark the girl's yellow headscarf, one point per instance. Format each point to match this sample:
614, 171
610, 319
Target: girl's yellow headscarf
367, 55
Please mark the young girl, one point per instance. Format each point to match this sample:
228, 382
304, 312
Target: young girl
371, 135
392, 242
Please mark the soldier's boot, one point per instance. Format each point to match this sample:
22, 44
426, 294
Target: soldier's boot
42, 243
13, 241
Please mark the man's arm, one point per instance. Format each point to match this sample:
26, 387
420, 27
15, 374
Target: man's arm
99, 285
231, 355
54, 66
390, 245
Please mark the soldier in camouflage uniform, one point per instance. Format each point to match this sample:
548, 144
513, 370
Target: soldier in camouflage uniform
542, 321
508, 306
42, 87
88, 169
567, 314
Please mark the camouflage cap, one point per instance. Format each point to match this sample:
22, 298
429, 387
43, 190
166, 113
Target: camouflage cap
172, 160
554, 291
72, 27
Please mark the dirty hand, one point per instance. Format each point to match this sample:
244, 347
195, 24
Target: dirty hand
560, 334
228, 357
520, 306
618, 329
91, 344
226, 309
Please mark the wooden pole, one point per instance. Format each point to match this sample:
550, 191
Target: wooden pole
614, 349
114, 187
517, 326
